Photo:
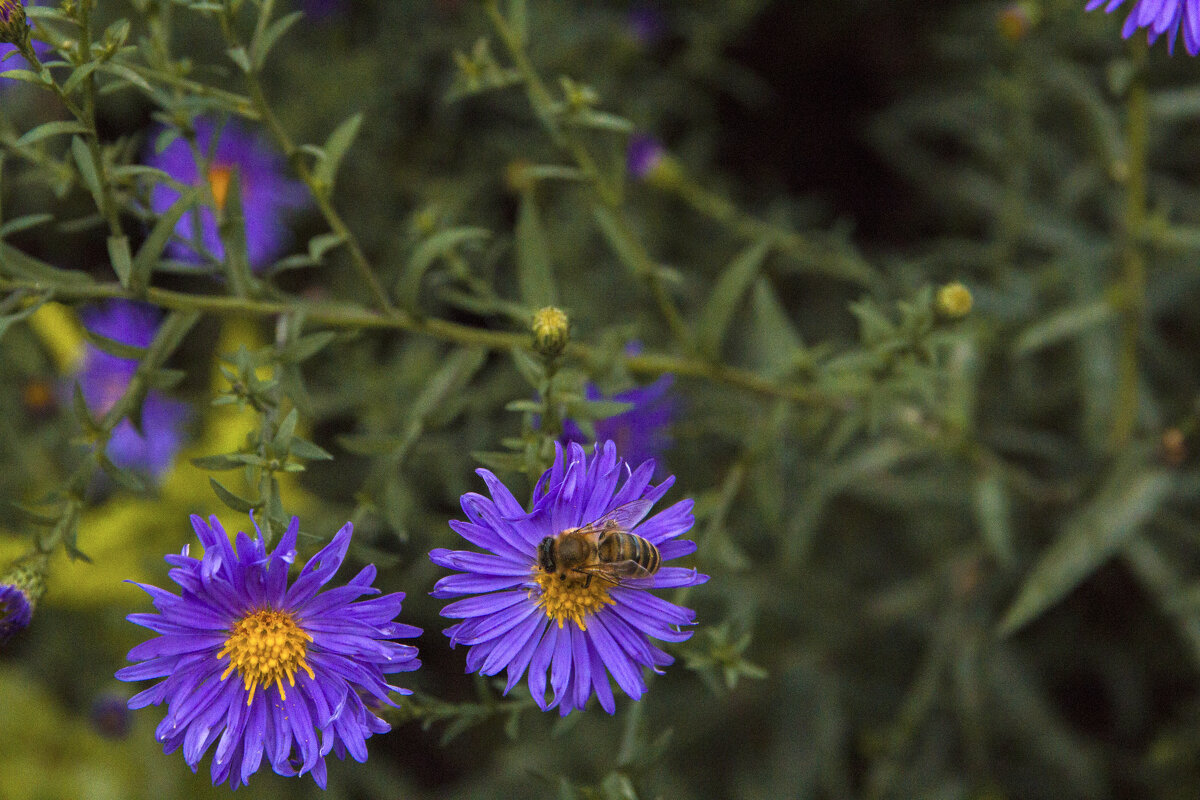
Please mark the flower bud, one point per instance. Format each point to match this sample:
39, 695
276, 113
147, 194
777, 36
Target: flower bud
551, 330
953, 301
13, 27
21, 586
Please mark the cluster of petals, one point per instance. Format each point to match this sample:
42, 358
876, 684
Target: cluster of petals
507, 628
349, 651
1160, 17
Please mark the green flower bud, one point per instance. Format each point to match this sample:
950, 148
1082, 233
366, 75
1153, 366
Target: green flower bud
13, 27
551, 330
954, 301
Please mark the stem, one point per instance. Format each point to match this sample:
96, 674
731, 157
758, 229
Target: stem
1133, 260
543, 105
319, 192
356, 317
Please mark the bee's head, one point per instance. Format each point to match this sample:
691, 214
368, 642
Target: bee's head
546, 554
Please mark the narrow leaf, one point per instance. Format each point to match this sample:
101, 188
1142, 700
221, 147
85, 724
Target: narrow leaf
534, 274
718, 311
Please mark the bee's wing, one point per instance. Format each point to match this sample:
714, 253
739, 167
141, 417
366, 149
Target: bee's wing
624, 517
616, 572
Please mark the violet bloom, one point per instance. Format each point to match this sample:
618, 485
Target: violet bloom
645, 153
268, 195
1160, 17
21, 586
641, 432
104, 378
322, 9
261, 669
16, 612
579, 627
646, 24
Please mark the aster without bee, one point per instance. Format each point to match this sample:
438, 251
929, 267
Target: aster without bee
260, 668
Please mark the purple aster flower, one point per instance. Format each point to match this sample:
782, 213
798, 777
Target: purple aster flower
260, 668
323, 9
104, 377
15, 611
267, 193
110, 715
646, 24
1160, 17
645, 153
641, 432
21, 586
578, 624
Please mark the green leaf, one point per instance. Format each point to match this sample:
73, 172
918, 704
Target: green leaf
22, 265
302, 448
990, 503
238, 56
287, 429
335, 150
1088, 539
530, 368
319, 245
78, 76
152, 249
773, 338
450, 379
230, 499
261, 46
113, 347
1062, 325
48, 129
306, 347
718, 311
232, 231
7, 321
122, 262
23, 223
220, 463
535, 277
430, 251
122, 477
88, 170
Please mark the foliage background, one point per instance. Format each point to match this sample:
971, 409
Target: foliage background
951, 559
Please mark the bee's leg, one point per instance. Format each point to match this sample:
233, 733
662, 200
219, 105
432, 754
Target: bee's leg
587, 581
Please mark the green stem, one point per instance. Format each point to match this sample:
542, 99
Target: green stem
1133, 260
356, 317
543, 105
319, 192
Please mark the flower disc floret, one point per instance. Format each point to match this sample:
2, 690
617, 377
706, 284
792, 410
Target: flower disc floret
263, 669
521, 618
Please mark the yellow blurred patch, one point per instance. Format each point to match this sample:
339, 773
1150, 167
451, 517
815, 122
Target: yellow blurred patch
62, 333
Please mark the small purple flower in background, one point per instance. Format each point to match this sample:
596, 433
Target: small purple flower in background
261, 669
322, 9
110, 715
645, 153
104, 377
1160, 17
578, 625
268, 195
642, 432
646, 24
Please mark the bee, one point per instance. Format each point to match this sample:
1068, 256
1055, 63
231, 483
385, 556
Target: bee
603, 548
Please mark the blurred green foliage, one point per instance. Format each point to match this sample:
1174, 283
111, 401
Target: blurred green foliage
951, 556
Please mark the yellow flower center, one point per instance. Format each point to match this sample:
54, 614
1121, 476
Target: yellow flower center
218, 179
264, 647
569, 599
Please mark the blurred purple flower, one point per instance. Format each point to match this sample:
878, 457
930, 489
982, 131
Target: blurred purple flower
644, 154
15, 611
104, 377
110, 715
646, 24
518, 616
261, 669
267, 193
1160, 17
642, 432
323, 9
